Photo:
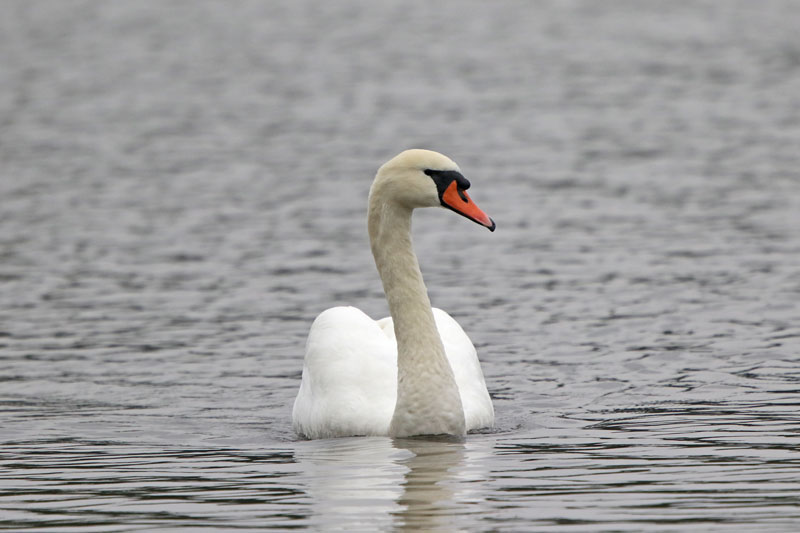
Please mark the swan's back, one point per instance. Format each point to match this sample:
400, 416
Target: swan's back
349, 384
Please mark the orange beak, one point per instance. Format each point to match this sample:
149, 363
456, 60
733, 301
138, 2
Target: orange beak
456, 198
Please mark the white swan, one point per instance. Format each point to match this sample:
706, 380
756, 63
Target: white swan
416, 372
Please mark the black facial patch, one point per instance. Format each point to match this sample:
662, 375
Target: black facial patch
443, 179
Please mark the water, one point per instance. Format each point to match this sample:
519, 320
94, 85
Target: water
183, 189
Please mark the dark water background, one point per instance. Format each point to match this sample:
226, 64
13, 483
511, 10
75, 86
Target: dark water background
183, 187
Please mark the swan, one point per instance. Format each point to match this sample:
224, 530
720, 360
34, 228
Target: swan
415, 372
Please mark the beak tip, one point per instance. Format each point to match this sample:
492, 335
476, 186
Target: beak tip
493, 226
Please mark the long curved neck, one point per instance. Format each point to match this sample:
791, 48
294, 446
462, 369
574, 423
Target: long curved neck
428, 401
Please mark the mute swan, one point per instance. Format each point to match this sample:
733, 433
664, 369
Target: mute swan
416, 372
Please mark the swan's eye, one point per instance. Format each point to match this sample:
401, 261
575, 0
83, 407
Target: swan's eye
443, 179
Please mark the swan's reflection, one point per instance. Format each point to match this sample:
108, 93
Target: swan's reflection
354, 483
380, 484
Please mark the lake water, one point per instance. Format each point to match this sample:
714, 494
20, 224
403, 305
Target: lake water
183, 189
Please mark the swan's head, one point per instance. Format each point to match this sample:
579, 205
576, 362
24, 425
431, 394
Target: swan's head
422, 178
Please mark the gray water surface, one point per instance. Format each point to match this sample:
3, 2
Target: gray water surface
183, 189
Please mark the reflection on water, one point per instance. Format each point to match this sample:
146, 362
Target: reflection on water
344, 477
420, 484
182, 190
432, 489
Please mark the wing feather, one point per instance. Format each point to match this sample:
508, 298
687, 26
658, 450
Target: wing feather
349, 383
